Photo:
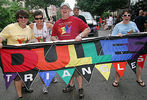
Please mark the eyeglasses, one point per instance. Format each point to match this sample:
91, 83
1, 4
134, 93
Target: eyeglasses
64, 8
21, 17
126, 15
38, 18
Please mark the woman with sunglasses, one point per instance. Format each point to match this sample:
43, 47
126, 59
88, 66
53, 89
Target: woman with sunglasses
126, 27
40, 28
42, 32
18, 33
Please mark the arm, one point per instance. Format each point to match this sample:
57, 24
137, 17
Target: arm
49, 25
1, 45
83, 34
31, 25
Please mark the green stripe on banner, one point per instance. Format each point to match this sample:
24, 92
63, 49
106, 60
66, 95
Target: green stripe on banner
90, 51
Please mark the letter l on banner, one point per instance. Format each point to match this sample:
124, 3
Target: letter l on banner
120, 67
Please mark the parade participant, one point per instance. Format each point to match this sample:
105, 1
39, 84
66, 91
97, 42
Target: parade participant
42, 33
41, 29
76, 30
126, 27
18, 33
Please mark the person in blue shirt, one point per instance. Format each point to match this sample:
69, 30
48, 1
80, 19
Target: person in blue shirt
125, 26
122, 28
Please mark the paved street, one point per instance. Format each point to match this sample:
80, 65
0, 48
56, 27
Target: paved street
97, 89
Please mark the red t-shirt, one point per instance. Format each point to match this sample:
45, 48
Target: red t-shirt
69, 28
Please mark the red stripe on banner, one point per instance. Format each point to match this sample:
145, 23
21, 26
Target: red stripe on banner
29, 60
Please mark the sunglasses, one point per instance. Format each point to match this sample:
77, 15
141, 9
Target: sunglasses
39, 18
21, 17
126, 15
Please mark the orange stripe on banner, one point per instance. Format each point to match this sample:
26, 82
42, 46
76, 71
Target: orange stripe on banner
63, 58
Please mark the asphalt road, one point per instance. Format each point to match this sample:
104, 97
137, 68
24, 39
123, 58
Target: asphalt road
97, 89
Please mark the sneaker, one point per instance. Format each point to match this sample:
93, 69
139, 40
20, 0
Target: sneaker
45, 91
24, 89
68, 88
54, 80
81, 93
20, 98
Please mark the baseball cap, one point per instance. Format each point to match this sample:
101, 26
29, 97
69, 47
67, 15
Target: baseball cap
64, 4
76, 7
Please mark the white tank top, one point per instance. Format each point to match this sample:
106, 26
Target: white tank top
42, 35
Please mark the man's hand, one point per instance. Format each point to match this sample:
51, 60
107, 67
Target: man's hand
78, 38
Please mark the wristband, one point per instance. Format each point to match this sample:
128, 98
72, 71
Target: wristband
80, 35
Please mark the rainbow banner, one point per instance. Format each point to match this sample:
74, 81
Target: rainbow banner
52, 56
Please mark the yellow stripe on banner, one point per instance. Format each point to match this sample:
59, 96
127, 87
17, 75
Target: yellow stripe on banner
74, 61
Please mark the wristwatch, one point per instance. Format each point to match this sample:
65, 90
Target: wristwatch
80, 35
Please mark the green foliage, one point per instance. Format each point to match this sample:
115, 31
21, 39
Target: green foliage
42, 3
97, 7
105, 14
58, 15
7, 12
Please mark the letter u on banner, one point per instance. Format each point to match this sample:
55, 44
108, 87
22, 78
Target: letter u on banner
62, 58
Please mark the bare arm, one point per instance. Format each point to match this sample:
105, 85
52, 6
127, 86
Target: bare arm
1, 45
83, 34
49, 25
31, 25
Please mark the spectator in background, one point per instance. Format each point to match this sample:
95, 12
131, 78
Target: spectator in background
76, 14
110, 23
105, 24
18, 33
140, 20
126, 27
145, 24
74, 28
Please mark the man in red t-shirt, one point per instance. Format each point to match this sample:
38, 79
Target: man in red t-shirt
66, 28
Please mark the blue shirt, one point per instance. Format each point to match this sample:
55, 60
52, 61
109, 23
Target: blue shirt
125, 28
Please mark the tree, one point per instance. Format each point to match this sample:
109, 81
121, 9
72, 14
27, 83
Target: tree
97, 7
42, 3
31, 4
7, 12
